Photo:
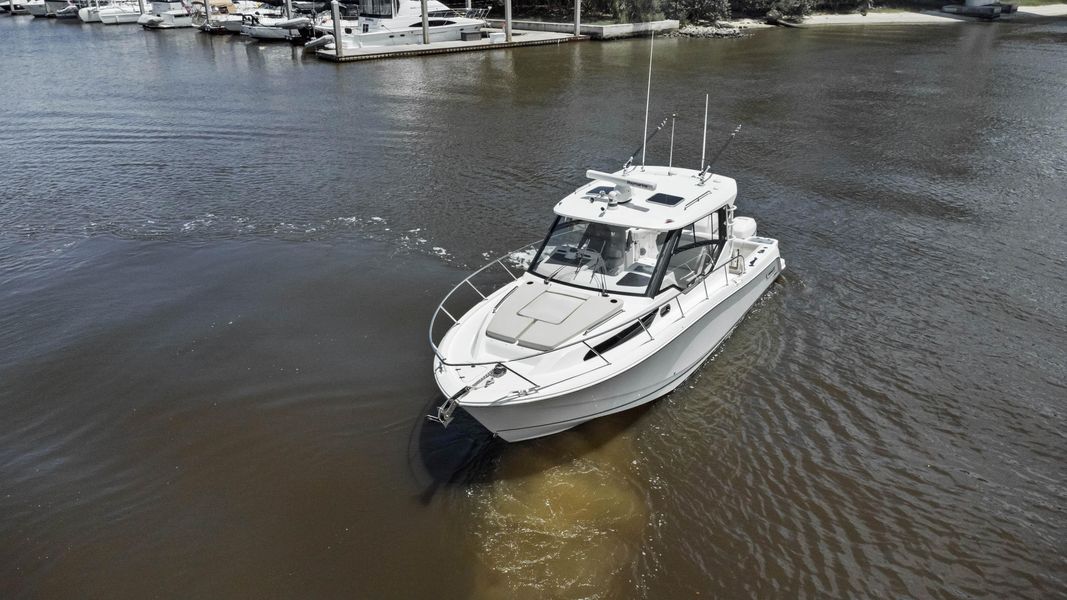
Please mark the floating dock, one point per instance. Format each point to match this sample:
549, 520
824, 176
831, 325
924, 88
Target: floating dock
519, 39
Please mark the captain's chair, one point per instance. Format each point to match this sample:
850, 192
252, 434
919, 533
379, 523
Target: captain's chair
611, 245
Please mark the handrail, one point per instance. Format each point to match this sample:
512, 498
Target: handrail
441, 305
583, 339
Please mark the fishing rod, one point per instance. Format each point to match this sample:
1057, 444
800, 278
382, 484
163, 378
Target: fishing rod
707, 169
629, 161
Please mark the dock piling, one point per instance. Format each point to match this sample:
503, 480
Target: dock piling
507, 21
338, 45
425, 23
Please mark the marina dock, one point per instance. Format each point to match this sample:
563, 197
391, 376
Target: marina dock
519, 39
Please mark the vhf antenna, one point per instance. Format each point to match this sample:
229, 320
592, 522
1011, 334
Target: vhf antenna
704, 173
648, 96
704, 145
670, 161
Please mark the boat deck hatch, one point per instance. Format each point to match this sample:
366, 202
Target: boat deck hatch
551, 307
666, 199
543, 319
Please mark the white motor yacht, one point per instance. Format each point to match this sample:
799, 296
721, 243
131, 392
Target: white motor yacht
275, 28
118, 13
90, 12
227, 16
17, 7
166, 14
399, 22
644, 273
253, 15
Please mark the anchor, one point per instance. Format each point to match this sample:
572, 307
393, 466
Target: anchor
444, 412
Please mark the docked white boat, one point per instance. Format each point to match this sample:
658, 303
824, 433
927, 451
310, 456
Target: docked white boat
119, 13
63, 9
38, 8
167, 15
276, 28
399, 22
643, 275
227, 16
90, 12
18, 7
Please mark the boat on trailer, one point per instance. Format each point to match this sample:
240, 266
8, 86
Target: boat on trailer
643, 275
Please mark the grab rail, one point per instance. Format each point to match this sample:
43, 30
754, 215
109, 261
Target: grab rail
676, 298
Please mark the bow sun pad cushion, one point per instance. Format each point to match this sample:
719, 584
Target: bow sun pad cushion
542, 318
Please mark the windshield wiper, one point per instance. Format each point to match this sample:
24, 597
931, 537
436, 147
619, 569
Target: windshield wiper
548, 280
602, 268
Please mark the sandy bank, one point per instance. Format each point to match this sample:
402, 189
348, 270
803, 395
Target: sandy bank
929, 16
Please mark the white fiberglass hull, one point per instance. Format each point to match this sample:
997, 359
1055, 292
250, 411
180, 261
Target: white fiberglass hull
165, 21
406, 36
89, 14
265, 32
660, 373
118, 15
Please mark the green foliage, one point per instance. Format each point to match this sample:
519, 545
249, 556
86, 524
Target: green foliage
695, 11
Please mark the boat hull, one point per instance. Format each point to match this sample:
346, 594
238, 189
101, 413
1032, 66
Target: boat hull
39, 10
117, 16
265, 32
89, 14
165, 21
648, 380
406, 36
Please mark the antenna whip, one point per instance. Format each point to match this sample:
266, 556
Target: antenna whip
648, 93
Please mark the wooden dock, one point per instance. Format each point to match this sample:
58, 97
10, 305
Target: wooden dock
520, 39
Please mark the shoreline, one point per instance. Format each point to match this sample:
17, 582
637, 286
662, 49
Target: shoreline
928, 17
735, 27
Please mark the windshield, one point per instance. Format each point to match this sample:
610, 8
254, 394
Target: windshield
619, 260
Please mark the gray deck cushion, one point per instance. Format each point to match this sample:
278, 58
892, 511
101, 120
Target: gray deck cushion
542, 317
507, 324
543, 335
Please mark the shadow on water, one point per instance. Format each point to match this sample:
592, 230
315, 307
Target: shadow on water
558, 515
461, 453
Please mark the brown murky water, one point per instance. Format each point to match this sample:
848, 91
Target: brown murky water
218, 260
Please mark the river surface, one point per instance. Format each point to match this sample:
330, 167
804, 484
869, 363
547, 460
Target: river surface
218, 260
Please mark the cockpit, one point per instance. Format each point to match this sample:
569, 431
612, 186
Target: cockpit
629, 260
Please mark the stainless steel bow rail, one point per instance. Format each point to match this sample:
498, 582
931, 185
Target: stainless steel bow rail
501, 367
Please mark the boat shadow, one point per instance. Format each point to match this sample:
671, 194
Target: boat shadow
467, 453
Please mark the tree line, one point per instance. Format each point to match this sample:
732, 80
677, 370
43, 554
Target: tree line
688, 11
